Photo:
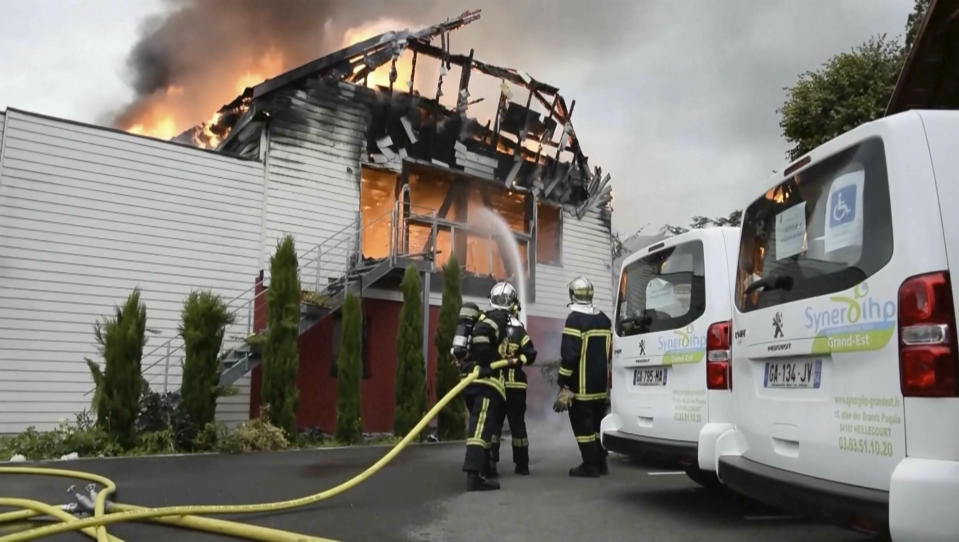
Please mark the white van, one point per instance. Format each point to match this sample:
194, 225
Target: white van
671, 331
844, 373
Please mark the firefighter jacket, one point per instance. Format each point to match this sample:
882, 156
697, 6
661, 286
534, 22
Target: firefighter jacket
519, 346
488, 332
585, 354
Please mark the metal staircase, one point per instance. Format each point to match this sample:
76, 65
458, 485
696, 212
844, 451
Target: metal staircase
337, 267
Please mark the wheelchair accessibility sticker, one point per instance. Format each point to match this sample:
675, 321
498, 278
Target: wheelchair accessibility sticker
844, 218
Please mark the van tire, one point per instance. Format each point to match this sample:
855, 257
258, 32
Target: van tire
707, 479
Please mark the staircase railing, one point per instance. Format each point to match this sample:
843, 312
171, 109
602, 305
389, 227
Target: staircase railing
335, 259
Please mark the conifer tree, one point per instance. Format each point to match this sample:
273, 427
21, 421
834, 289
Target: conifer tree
119, 384
452, 419
410, 377
280, 357
349, 365
203, 325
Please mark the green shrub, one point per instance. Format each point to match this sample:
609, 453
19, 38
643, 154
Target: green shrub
155, 442
410, 385
451, 423
280, 358
348, 421
121, 340
204, 322
260, 435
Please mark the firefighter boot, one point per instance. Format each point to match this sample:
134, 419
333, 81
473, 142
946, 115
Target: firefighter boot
475, 482
522, 468
491, 471
604, 467
584, 470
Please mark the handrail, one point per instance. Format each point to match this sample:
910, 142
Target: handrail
303, 262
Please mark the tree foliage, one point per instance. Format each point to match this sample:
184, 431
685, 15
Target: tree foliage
202, 327
850, 89
280, 357
410, 376
698, 222
120, 341
349, 365
452, 419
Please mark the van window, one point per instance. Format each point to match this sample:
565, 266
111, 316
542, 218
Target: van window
665, 290
823, 230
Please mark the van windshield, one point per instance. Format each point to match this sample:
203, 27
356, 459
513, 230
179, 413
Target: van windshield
665, 290
823, 230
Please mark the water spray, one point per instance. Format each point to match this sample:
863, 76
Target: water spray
492, 221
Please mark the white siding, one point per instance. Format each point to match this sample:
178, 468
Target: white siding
586, 250
314, 178
88, 214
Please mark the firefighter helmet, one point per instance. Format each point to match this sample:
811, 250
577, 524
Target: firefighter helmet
503, 296
581, 290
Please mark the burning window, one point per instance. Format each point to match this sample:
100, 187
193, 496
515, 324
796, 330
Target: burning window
549, 233
377, 198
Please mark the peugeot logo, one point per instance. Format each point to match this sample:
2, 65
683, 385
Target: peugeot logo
642, 347
778, 325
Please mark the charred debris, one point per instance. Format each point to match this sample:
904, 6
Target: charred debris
530, 145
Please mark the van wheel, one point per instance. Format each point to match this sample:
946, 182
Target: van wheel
707, 479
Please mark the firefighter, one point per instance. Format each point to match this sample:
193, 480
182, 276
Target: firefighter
517, 347
583, 375
486, 396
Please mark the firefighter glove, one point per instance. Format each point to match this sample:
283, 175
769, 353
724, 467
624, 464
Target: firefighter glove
563, 400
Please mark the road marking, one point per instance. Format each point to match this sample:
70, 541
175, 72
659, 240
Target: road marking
769, 518
665, 472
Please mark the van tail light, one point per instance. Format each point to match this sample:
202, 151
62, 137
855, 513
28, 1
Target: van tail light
928, 365
718, 369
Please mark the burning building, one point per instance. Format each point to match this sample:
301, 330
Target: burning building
389, 152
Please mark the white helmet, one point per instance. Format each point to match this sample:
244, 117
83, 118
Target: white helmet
581, 290
503, 296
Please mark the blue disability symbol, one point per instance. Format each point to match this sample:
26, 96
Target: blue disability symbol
843, 206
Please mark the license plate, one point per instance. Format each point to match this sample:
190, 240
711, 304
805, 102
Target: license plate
793, 374
651, 376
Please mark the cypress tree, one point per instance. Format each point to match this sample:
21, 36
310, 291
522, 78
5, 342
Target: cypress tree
348, 421
280, 357
203, 325
410, 377
121, 340
452, 419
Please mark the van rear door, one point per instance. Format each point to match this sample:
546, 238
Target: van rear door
816, 365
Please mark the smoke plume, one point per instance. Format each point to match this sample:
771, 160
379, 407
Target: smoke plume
201, 54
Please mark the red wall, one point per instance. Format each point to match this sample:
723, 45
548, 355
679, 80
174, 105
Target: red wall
317, 389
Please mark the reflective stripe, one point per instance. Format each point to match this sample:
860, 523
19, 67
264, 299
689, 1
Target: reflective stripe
495, 383
490, 323
477, 339
566, 372
520, 442
477, 442
572, 331
525, 340
587, 438
516, 385
590, 396
523, 358
478, 433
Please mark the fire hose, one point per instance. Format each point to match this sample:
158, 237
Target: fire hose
185, 516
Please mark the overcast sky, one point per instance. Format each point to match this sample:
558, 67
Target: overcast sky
676, 99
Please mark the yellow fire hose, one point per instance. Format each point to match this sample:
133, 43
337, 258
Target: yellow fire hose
186, 515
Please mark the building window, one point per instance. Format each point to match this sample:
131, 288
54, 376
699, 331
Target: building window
377, 198
549, 233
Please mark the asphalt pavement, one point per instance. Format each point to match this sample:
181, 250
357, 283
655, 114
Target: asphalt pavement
420, 497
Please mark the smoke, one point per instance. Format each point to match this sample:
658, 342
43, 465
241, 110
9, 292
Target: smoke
201, 54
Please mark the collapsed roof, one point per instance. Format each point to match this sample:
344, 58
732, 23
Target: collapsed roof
521, 148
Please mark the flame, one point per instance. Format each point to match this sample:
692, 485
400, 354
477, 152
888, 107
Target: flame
381, 76
167, 112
